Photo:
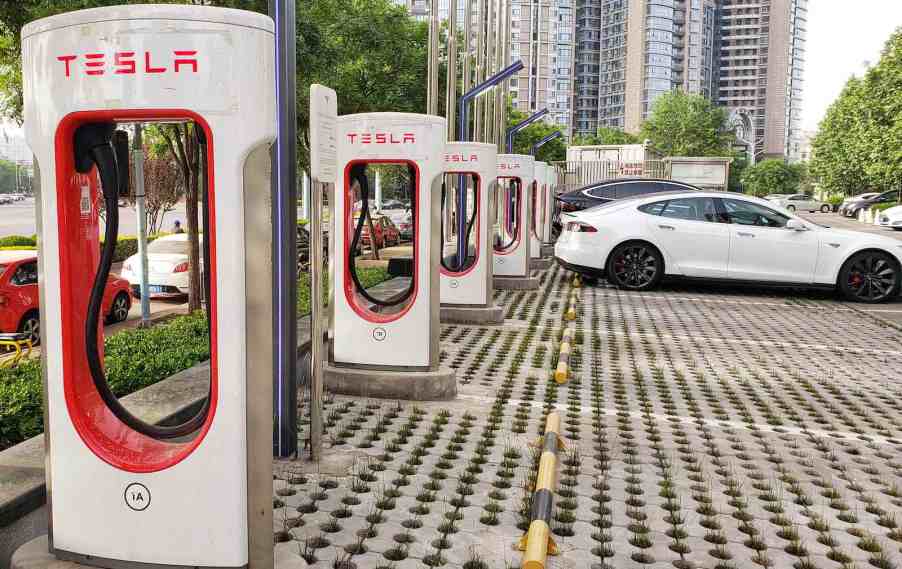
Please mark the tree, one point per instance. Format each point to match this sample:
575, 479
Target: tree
772, 176
553, 151
682, 124
164, 187
857, 147
606, 135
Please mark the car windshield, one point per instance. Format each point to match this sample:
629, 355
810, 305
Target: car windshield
167, 247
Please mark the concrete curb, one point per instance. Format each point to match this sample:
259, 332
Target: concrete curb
539, 263
538, 543
515, 283
438, 385
472, 314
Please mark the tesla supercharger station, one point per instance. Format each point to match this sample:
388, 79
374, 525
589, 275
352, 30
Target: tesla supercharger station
537, 221
122, 492
384, 341
511, 239
466, 281
550, 206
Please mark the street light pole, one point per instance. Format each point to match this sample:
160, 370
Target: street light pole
138, 157
432, 65
451, 87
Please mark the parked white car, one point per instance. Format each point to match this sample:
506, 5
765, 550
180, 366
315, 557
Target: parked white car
725, 237
891, 217
167, 263
802, 202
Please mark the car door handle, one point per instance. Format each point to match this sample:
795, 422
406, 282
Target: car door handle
744, 234
668, 227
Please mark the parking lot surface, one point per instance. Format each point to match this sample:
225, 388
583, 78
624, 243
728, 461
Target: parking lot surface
705, 427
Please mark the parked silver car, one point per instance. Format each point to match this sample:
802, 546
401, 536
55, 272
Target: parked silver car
803, 202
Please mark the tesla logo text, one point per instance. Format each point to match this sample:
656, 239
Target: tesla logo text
381, 138
461, 158
508, 166
129, 63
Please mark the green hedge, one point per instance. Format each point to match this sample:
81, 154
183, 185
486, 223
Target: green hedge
12, 241
368, 277
126, 245
882, 207
134, 359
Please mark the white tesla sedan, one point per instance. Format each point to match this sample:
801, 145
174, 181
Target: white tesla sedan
728, 237
891, 217
167, 263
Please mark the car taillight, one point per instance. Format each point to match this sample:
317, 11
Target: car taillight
567, 206
577, 227
180, 268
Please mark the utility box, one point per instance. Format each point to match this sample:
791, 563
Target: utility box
709, 172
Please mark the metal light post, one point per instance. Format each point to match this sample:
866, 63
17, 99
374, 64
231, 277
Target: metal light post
501, 41
433, 64
490, 39
467, 51
138, 157
284, 215
451, 87
512, 131
505, 96
545, 140
480, 66
463, 118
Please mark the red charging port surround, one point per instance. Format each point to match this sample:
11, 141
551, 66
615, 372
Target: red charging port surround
79, 253
354, 300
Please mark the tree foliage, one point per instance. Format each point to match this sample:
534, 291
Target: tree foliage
682, 124
607, 135
858, 146
772, 176
553, 151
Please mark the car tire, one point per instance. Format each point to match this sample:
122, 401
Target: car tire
825, 208
790, 208
635, 265
31, 325
119, 308
870, 277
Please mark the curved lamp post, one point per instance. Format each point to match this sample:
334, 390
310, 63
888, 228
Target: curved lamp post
512, 131
463, 123
545, 140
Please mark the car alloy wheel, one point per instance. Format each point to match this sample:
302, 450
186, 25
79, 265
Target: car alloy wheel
635, 266
119, 310
870, 277
790, 208
31, 325
825, 208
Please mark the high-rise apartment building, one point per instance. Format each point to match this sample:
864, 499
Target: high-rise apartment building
542, 37
742, 54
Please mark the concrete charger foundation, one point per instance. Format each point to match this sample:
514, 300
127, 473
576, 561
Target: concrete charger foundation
472, 314
540, 264
438, 385
515, 283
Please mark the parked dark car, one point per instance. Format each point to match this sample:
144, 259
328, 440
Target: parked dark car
865, 201
611, 190
303, 245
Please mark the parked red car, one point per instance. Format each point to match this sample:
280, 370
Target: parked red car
19, 295
387, 233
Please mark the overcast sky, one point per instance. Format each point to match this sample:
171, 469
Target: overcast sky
842, 36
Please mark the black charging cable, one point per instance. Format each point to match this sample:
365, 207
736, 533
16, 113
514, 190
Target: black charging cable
358, 172
461, 264
93, 147
516, 215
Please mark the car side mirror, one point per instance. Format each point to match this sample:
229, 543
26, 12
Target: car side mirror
796, 225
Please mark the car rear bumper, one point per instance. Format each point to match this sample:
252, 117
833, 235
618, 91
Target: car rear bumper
581, 269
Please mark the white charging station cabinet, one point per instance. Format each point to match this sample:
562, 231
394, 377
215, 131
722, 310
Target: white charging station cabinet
511, 256
117, 497
472, 285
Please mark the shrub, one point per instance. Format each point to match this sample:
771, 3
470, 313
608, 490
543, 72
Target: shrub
17, 241
134, 359
368, 277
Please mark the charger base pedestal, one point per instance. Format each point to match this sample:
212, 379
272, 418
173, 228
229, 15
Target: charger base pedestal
515, 283
454, 314
438, 385
547, 250
540, 264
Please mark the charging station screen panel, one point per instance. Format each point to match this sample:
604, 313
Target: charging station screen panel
378, 288
454, 219
506, 200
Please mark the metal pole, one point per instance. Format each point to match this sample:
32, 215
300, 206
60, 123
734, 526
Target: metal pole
512, 131
497, 128
490, 62
451, 87
378, 189
545, 140
480, 67
433, 64
505, 96
305, 196
317, 314
467, 54
138, 154
284, 216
